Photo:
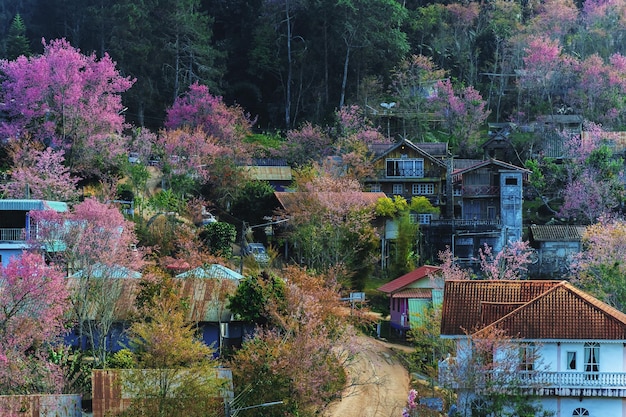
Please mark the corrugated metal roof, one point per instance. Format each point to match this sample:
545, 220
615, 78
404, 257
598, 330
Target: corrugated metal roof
413, 293
108, 271
207, 298
530, 310
556, 233
211, 271
409, 278
270, 173
28, 205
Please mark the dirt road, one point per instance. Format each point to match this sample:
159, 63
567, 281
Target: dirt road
378, 384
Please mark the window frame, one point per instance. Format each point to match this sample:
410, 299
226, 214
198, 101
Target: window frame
569, 357
395, 187
423, 188
398, 168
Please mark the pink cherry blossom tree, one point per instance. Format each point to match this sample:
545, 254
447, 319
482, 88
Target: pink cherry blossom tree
198, 108
41, 175
511, 263
309, 142
600, 267
190, 151
33, 300
463, 111
593, 178
96, 245
66, 99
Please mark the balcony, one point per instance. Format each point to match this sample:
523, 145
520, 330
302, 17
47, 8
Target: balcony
12, 234
429, 175
544, 383
480, 190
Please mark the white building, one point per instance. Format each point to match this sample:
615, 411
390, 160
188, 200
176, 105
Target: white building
579, 364
16, 226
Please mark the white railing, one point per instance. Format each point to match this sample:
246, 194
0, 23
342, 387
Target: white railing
12, 234
539, 379
576, 379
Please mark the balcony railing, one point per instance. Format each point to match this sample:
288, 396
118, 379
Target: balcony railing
576, 379
12, 234
480, 190
543, 383
418, 173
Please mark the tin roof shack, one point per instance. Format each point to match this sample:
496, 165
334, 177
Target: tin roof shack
411, 295
206, 290
555, 246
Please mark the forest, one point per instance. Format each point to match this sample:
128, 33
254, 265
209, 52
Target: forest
286, 62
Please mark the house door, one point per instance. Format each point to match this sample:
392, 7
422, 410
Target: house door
592, 360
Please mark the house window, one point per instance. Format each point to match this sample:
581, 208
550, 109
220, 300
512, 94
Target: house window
407, 168
398, 189
375, 188
571, 361
527, 357
423, 189
510, 181
424, 218
421, 218
592, 360
580, 412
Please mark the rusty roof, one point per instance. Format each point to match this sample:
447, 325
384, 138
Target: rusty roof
529, 310
289, 200
206, 298
409, 278
556, 233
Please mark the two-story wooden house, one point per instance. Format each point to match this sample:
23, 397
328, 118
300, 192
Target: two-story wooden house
408, 170
578, 363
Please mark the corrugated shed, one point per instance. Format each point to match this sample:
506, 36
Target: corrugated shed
529, 309
109, 398
207, 298
556, 233
41, 405
409, 278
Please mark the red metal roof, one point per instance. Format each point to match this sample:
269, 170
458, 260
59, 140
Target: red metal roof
409, 278
530, 310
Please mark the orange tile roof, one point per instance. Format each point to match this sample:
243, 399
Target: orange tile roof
409, 278
530, 310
